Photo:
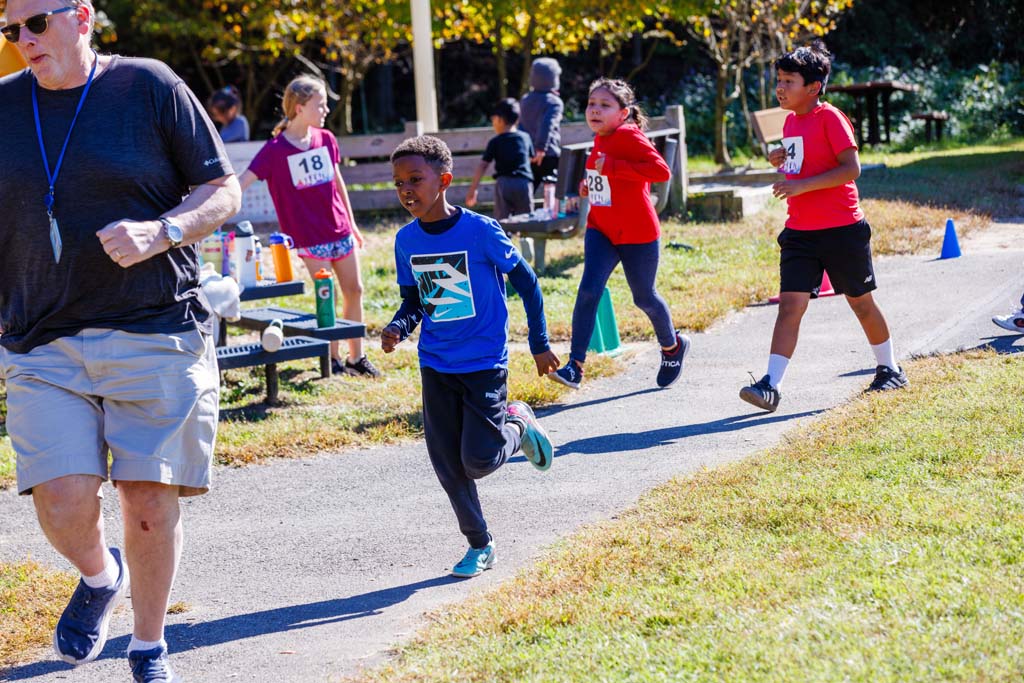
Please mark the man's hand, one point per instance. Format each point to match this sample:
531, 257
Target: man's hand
788, 188
390, 337
547, 362
777, 156
129, 242
471, 198
537, 158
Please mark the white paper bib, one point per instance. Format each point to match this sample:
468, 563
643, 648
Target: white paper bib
599, 191
312, 167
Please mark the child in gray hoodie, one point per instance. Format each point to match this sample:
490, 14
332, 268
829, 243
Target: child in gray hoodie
541, 117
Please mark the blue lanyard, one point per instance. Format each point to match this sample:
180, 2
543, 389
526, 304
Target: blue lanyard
52, 178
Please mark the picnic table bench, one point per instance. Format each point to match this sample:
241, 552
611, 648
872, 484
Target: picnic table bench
253, 353
931, 117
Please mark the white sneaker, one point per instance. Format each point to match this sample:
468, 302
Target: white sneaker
1013, 322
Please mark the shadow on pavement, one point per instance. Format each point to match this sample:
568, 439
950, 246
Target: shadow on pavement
562, 407
1004, 344
182, 637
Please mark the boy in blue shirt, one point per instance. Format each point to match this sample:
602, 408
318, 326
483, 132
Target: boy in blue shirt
451, 263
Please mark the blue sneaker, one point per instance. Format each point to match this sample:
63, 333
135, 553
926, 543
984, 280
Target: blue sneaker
151, 666
536, 445
570, 375
475, 562
82, 630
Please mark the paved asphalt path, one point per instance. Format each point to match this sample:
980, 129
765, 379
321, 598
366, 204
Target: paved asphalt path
306, 570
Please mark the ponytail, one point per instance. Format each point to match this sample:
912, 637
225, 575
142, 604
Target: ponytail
279, 128
637, 116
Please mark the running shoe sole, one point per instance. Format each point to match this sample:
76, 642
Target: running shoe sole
755, 398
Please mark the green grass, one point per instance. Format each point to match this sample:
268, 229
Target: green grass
883, 543
31, 600
732, 265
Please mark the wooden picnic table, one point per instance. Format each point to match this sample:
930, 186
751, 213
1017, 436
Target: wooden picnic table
870, 92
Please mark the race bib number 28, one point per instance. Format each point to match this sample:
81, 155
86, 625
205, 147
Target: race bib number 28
794, 155
312, 167
599, 192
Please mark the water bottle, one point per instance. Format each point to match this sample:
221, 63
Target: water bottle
280, 243
323, 285
273, 335
245, 254
258, 255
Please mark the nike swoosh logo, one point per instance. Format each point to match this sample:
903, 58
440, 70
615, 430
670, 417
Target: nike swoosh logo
508, 254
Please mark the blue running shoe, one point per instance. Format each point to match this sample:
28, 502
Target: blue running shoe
672, 362
536, 445
151, 666
570, 375
82, 630
475, 562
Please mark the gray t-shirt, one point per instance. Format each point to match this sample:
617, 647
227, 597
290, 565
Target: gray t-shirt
141, 140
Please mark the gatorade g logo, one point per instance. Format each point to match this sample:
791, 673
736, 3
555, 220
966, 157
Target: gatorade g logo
323, 291
443, 282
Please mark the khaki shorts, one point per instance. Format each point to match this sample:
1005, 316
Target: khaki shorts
151, 400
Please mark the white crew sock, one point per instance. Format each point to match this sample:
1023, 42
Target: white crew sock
143, 645
884, 354
107, 577
777, 369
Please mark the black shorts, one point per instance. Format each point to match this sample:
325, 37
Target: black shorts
546, 171
844, 252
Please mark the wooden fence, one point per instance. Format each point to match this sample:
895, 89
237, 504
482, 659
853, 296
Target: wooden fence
367, 171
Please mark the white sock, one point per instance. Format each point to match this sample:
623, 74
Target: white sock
884, 354
107, 577
777, 369
137, 644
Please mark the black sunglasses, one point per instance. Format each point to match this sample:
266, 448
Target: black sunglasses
36, 24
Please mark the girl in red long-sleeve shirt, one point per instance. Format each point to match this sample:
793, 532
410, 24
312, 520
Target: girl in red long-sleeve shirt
622, 227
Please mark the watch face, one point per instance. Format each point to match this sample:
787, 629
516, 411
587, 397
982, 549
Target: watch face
174, 233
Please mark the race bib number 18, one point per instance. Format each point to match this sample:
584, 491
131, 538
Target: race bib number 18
599, 192
794, 155
312, 167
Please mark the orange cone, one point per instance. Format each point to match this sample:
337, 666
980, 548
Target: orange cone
824, 289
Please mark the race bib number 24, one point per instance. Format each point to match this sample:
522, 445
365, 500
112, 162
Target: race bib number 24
794, 155
599, 192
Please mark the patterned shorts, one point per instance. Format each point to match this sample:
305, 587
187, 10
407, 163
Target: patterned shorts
332, 251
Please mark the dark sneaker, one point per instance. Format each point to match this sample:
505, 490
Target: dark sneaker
762, 394
361, 368
82, 630
886, 378
337, 367
475, 561
151, 666
570, 375
1013, 322
672, 362
536, 445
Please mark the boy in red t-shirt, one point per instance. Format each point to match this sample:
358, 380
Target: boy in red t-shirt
826, 230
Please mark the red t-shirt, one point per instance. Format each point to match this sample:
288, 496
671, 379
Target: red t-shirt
813, 142
620, 197
306, 198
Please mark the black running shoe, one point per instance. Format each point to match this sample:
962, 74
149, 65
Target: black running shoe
886, 378
570, 375
762, 394
361, 368
672, 362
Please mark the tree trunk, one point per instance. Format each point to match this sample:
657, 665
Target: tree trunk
722, 83
501, 61
746, 113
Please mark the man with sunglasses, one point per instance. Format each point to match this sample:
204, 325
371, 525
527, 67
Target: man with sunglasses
106, 344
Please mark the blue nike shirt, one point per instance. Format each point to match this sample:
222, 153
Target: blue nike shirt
461, 283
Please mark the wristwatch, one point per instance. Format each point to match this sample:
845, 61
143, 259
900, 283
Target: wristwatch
175, 235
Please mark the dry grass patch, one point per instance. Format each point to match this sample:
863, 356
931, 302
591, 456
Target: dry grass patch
31, 600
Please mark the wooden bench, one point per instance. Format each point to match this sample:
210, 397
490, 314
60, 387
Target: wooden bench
931, 117
571, 170
367, 169
767, 126
296, 324
251, 354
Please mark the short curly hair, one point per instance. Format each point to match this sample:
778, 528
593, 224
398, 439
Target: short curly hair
433, 150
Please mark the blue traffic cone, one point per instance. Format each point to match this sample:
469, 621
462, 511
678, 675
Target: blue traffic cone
950, 244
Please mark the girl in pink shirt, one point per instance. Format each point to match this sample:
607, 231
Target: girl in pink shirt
300, 165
